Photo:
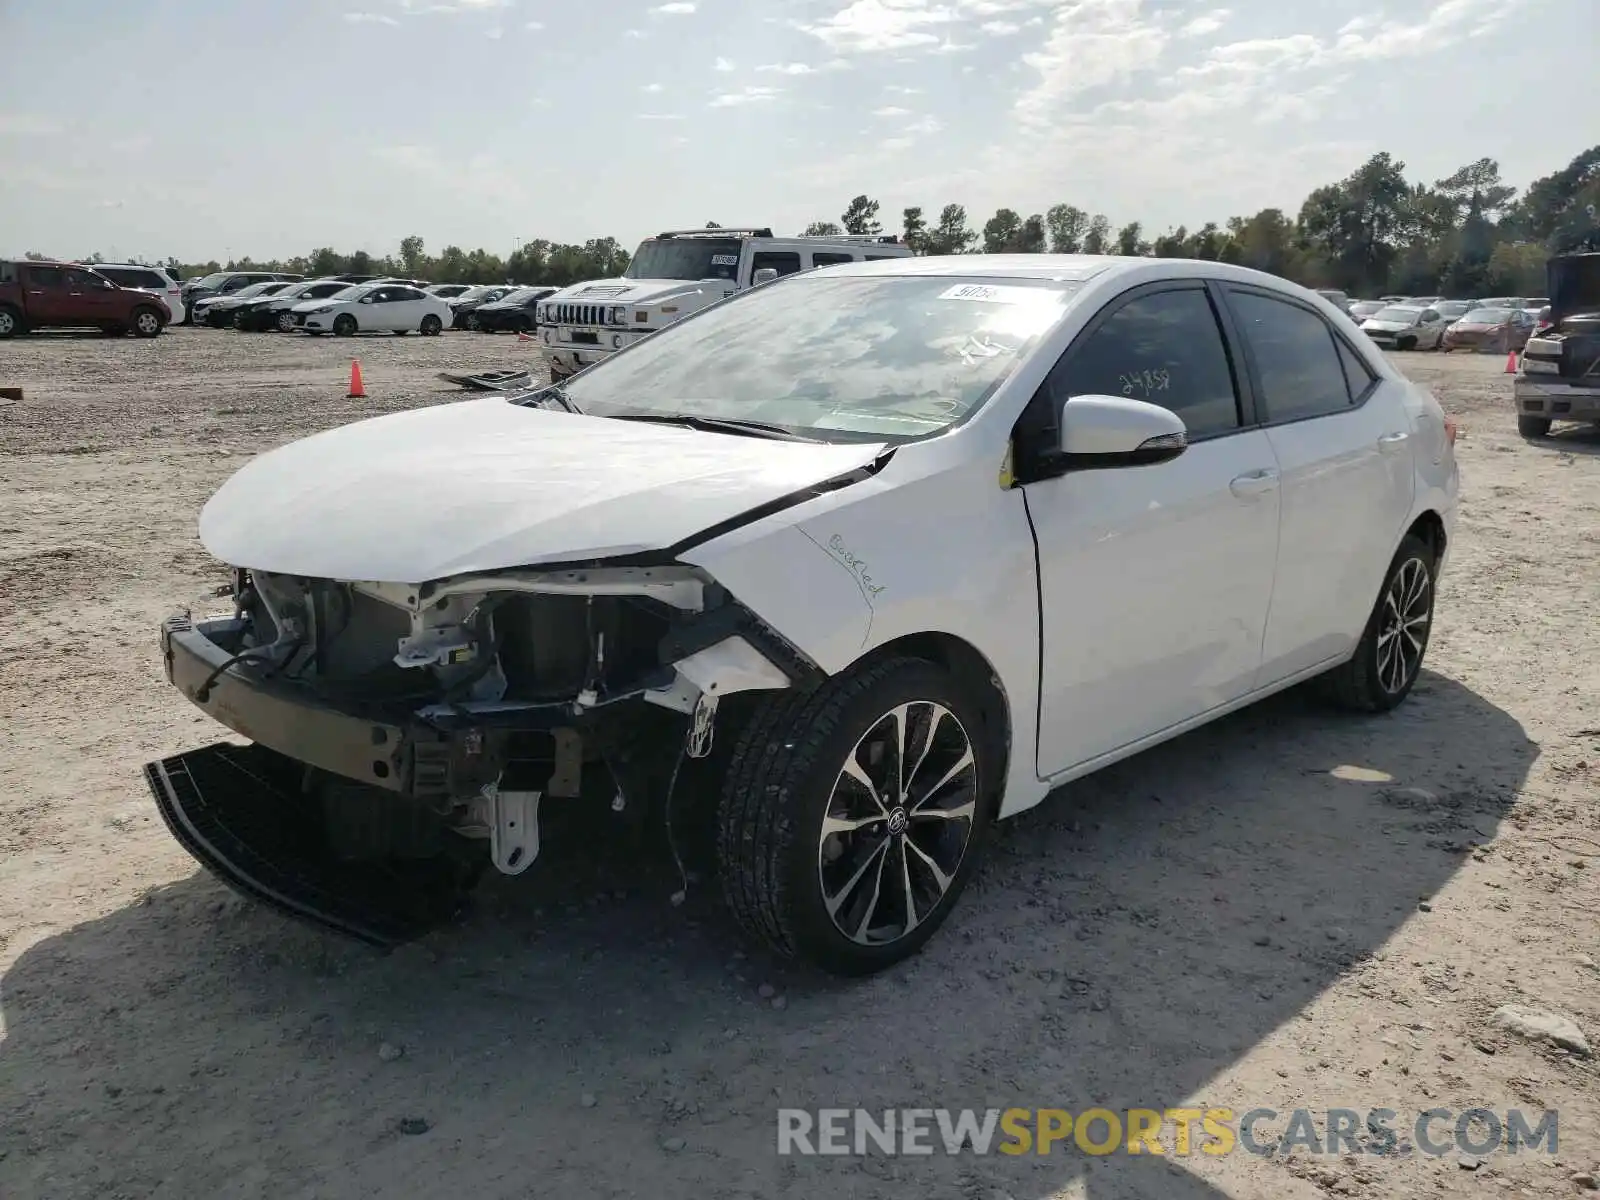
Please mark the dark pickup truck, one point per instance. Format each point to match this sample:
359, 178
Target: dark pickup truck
54, 295
1559, 377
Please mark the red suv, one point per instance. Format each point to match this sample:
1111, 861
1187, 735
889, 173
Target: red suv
54, 295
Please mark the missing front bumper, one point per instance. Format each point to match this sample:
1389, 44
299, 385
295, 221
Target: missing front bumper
242, 813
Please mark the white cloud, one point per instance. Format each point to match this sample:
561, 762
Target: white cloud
749, 95
679, 8
652, 88
794, 68
1091, 44
1206, 23
660, 116
722, 64
633, 33
367, 18
1000, 28
534, 25
891, 111
901, 90
868, 25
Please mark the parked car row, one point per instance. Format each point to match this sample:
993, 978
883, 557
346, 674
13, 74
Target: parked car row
343, 305
1493, 323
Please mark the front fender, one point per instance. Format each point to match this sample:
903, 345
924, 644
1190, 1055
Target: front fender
904, 553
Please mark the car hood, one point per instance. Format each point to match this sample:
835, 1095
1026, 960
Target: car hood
636, 291
1384, 326
312, 305
483, 485
1474, 326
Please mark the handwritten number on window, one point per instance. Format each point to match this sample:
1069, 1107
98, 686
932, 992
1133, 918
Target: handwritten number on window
1145, 383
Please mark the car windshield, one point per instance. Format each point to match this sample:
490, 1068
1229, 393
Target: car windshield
1398, 314
836, 358
518, 296
1487, 316
356, 290
255, 289
1451, 308
1365, 308
297, 289
215, 279
685, 258
475, 293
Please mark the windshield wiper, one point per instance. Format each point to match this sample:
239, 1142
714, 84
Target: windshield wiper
718, 425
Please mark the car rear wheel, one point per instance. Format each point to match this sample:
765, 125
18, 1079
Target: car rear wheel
1380, 674
344, 325
146, 322
432, 326
10, 322
1533, 427
852, 816
473, 322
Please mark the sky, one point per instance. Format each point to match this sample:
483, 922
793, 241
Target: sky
206, 129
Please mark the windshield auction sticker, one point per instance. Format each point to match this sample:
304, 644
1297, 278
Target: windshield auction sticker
983, 293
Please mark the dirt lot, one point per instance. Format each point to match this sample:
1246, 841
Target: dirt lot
1279, 911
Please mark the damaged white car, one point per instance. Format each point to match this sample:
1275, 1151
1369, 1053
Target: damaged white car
874, 555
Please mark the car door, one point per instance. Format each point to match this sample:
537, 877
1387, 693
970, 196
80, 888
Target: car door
1340, 434
405, 308
94, 298
45, 294
1432, 329
1154, 580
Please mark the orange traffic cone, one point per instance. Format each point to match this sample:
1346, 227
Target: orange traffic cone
1511, 363
357, 388
524, 337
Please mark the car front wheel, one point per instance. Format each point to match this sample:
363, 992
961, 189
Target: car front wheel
853, 815
344, 325
285, 322
1389, 657
146, 322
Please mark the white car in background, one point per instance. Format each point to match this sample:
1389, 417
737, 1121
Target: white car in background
1406, 327
159, 281
1041, 513
374, 308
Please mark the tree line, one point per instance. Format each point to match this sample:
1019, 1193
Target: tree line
1370, 233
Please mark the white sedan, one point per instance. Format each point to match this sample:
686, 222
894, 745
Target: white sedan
374, 308
821, 581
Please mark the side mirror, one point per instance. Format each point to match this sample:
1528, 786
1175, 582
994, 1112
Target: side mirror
764, 275
1115, 431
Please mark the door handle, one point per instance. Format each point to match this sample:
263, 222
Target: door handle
1254, 483
1390, 442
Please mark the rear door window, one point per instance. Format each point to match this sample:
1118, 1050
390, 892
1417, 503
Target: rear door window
826, 258
47, 277
1296, 356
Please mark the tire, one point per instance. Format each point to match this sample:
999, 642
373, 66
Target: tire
432, 326
146, 322
473, 322
788, 773
11, 322
344, 325
1533, 427
1371, 681
286, 322
1405, 343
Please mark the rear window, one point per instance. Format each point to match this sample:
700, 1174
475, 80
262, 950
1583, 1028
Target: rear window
8, 272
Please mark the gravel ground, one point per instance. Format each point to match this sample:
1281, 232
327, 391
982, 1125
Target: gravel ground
1279, 911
